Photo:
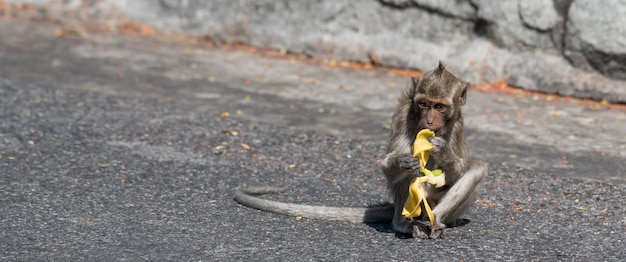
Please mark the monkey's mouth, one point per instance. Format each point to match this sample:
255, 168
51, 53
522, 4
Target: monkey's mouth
435, 130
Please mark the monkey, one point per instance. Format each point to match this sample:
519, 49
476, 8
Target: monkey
432, 101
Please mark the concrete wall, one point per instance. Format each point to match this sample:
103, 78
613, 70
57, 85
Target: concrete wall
569, 47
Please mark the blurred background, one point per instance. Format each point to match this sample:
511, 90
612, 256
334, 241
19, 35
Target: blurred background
569, 47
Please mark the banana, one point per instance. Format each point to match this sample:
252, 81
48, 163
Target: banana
412, 207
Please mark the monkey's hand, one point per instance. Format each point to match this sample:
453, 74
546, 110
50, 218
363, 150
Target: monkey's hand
409, 163
439, 146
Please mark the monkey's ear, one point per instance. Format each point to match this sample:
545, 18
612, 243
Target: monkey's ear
463, 96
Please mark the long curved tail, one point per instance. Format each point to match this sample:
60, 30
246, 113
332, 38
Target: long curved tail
246, 196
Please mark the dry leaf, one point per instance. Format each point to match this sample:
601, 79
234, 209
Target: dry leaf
146, 30
245, 146
374, 58
75, 31
230, 132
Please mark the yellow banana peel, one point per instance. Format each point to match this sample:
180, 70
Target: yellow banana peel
412, 207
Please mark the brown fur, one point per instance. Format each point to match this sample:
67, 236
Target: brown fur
437, 87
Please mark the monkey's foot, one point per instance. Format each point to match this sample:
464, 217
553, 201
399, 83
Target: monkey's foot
413, 229
437, 233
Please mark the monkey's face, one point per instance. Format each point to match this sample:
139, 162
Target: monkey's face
433, 113
436, 100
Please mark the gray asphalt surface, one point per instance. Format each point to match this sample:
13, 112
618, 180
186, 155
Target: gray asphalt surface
115, 148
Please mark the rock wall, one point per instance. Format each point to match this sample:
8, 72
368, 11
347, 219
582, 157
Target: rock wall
569, 47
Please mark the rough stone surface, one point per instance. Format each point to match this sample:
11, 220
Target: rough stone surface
511, 30
454, 8
599, 33
573, 47
31, 2
539, 14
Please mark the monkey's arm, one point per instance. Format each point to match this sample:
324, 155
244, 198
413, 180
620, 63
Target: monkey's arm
450, 156
245, 196
399, 179
399, 164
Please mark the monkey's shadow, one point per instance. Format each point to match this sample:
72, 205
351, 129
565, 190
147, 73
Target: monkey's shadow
385, 227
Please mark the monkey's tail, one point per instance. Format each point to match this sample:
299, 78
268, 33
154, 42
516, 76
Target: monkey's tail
246, 197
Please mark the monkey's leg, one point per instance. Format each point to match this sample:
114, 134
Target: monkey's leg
459, 198
400, 223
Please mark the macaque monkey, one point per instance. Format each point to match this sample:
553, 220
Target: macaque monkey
432, 101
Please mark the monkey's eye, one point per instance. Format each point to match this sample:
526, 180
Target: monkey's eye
440, 107
422, 104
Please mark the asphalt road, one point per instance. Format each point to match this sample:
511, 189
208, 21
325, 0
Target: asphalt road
116, 148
